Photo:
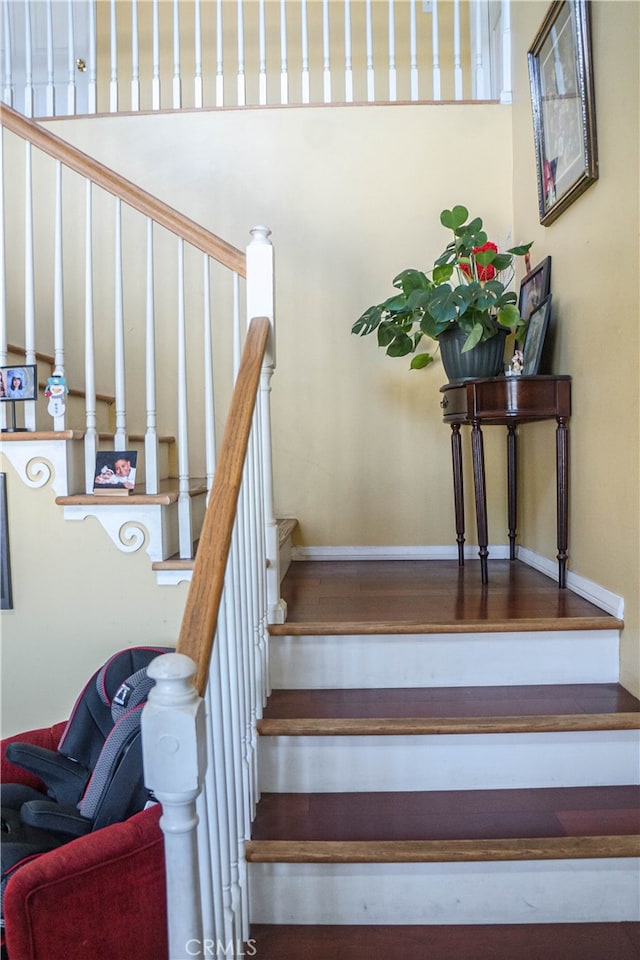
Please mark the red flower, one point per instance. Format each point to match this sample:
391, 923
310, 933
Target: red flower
484, 273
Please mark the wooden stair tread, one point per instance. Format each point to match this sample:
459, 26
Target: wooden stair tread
168, 493
399, 597
423, 726
405, 817
441, 851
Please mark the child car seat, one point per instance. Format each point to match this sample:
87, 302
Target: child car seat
95, 777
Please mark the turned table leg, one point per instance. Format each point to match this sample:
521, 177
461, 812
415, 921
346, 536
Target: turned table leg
562, 480
477, 448
458, 489
512, 487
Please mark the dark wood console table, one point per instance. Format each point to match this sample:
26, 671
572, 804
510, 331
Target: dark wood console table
507, 401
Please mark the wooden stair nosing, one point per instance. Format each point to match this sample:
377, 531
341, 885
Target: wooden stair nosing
399, 726
169, 495
315, 628
441, 851
44, 435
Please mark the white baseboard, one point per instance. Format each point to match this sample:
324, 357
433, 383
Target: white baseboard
601, 597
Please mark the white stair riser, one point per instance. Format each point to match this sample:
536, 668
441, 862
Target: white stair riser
448, 762
542, 891
443, 660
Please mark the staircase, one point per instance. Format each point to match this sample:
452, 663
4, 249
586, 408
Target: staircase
437, 755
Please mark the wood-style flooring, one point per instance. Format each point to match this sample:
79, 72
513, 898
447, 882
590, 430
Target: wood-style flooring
433, 596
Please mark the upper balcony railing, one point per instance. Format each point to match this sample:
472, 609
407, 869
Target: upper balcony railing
65, 57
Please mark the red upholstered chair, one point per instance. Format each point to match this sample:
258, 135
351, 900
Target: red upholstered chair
101, 896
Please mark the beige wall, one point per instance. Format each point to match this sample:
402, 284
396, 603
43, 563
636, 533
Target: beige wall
594, 246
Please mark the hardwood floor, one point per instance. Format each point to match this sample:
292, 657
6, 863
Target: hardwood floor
428, 592
564, 941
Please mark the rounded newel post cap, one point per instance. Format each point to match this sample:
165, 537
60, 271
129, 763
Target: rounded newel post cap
260, 234
171, 666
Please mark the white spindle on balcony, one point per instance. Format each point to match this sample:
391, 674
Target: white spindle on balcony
435, 32
413, 52
371, 84
29, 96
506, 94
113, 51
71, 62
177, 74
152, 472
304, 45
393, 77
29, 280
284, 70
198, 87
92, 66
7, 66
155, 53
91, 420
262, 55
326, 53
457, 53
135, 57
348, 55
50, 100
241, 78
219, 57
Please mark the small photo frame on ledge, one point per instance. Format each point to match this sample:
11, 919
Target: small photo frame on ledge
534, 288
115, 474
534, 340
18, 382
563, 106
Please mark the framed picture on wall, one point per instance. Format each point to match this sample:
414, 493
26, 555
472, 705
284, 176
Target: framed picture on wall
563, 105
534, 287
534, 339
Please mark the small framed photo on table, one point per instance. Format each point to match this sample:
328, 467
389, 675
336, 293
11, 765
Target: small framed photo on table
115, 473
534, 339
534, 288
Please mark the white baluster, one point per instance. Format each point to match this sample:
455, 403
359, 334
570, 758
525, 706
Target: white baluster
371, 95
284, 72
29, 282
262, 56
155, 45
177, 78
479, 80
92, 96
91, 433
28, 63
348, 55
174, 757
506, 94
151, 470
326, 55
198, 94
413, 52
71, 62
185, 533
50, 107
58, 291
304, 43
435, 33
241, 79
209, 395
135, 57
236, 335
219, 56
120, 436
457, 53
393, 85
7, 72
113, 81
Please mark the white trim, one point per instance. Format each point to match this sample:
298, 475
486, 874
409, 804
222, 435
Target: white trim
605, 599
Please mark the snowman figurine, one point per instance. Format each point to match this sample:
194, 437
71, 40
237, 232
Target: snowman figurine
56, 390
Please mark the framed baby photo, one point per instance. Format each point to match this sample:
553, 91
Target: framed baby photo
115, 473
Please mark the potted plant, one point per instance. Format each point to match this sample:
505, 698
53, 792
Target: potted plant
464, 304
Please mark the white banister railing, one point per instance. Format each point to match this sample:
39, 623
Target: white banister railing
129, 273
194, 54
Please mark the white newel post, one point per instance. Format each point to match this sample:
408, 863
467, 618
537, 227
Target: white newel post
261, 303
174, 759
